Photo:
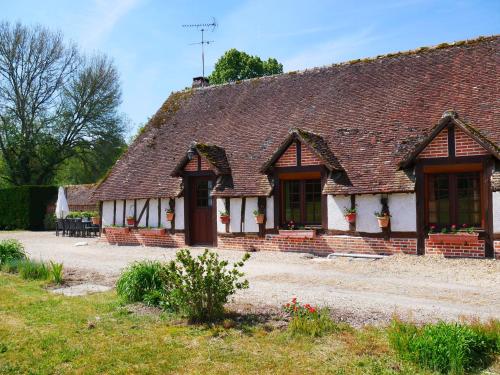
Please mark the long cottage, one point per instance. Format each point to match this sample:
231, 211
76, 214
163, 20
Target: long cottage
413, 135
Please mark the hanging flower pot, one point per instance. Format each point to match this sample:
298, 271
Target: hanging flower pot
224, 217
130, 221
351, 218
170, 215
96, 220
383, 219
259, 217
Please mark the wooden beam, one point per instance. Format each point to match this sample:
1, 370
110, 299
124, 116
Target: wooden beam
385, 209
147, 215
352, 226
171, 205
227, 205
242, 216
135, 212
124, 213
261, 204
159, 212
146, 205
114, 212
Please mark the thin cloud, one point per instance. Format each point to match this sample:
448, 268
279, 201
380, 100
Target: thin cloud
102, 18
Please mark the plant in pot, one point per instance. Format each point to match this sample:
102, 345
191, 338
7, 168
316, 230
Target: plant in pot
350, 214
170, 214
224, 217
260, 217
95, 218
383, 219
130, 221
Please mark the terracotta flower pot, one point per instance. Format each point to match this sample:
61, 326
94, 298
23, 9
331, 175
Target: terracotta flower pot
351, 218
260, 218
224, 219
130, 222
96, 220
170, 216
383, 221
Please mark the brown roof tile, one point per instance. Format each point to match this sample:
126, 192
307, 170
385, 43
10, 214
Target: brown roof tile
369, 113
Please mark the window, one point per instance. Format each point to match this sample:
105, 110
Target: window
301, 202
454, 198
203, 188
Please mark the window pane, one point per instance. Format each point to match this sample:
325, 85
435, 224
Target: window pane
439, 200
469, 201
291, 190
202, 193
312, 202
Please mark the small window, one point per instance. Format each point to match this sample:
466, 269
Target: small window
301, 200
454, 199
203, 188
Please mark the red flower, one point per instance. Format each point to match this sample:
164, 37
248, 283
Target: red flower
312, 310
464, 225
453, 226
294, 300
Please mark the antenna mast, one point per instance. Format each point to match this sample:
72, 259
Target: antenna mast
203, 27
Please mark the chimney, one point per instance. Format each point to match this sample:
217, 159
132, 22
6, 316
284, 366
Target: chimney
199, 82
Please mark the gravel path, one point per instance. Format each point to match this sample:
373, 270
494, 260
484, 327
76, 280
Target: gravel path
358, 291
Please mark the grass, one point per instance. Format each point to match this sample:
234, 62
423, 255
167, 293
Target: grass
43, 333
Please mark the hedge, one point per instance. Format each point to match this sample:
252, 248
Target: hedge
24, 207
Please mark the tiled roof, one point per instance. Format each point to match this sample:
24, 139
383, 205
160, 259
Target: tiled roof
370, 114
80, 195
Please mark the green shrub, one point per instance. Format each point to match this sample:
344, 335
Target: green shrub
12, 266
24, 207
56, 272
446, 347
33, 270
49, 221
82, 214
11, 250
308, 320
140, 281
200, 286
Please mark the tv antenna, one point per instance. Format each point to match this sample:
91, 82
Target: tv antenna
203, 27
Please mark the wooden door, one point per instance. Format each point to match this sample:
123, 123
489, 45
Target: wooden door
201, 218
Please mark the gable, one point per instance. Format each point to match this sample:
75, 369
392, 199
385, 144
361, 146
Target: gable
197, 163
437, 148
466, 146
292, 158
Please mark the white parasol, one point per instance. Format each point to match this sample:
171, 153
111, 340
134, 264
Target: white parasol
62, 209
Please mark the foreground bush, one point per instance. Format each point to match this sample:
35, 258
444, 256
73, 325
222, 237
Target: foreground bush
34, 270
446, 347
144, 281
11, 250
308, 320
201, 286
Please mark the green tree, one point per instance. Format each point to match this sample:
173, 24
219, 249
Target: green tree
55, 104
236, 65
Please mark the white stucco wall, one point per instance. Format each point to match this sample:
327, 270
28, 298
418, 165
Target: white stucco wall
403, 209
179, 213
129, 209
107, 213
140, 205
365, 219
119, 212
336, 205
163, 217
270, 213
496, 212
221, 206
153, 213
235, 213
251, 204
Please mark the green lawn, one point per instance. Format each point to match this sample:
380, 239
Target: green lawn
43, 333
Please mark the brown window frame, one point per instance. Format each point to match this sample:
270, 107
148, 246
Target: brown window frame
302, 179
453, 174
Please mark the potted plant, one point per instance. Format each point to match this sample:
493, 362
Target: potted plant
297, 232
224, 217
260, 217
95, 218
350, 214
130, 221
170, 214
383, 219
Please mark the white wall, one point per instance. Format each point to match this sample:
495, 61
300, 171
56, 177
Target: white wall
153, 213
179, 213
107, 213
140, 206
221, 206
251, 204
496, 212
270, 213
403, 209
235, 213
336, 205
365, 219
119, 212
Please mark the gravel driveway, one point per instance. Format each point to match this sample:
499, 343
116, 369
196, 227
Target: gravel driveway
358, 291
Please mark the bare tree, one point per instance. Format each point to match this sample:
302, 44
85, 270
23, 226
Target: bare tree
54, 102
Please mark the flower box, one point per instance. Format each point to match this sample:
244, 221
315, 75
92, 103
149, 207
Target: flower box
455, 238
152, 231
299, 233
117, 230
383, 221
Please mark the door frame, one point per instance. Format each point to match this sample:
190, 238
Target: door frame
187, 182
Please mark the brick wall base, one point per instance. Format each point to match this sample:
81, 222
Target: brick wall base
321, 245
133, 237
497, 249
473, 249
